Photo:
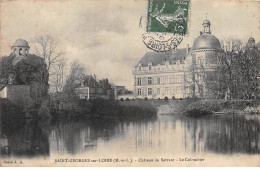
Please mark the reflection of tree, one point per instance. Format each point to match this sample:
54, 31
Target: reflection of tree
82, 135
196, 129
27, 137
236, 140
225, 134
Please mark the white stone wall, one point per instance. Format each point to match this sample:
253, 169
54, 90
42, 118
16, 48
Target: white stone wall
168, 85
3, 93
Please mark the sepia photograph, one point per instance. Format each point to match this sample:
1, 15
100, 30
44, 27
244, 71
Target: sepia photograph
129, 83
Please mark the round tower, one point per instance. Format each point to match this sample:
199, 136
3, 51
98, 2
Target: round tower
21, 47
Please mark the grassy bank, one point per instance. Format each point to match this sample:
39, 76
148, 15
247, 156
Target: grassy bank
102, 108
194, 108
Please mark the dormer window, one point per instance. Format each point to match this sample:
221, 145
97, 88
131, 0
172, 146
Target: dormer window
150, 67
139, 67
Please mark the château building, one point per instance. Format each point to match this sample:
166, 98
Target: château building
176, 74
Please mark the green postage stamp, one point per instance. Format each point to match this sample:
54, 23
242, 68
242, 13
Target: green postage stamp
168, 16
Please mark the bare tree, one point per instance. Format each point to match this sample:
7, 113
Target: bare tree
57, 80
76, 76
47, 47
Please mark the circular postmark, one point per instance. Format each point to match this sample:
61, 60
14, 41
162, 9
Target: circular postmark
161, 42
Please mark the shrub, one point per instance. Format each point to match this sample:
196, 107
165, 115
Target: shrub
145, 98
165, 98
121, 99
200, 108
197, 112
173, 98
127, 99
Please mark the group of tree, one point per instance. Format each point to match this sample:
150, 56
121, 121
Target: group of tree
235, 75
31, 71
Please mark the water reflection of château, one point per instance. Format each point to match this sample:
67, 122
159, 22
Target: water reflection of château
166, 134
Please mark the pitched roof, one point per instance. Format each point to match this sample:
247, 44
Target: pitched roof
160, 57
90, 81
2, 86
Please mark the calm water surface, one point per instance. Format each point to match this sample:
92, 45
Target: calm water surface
163, 134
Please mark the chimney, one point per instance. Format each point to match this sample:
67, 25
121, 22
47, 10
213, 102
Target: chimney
187, 49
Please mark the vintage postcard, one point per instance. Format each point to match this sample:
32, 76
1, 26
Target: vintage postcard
130, 83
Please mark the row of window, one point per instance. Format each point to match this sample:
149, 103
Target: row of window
139, 81
167, 63
167, 91
168, 80
150, 91
20, 51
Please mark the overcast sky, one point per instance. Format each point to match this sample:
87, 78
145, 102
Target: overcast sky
105, 35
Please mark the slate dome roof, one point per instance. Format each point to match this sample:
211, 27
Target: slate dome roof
206, 22
206, 41
21, 43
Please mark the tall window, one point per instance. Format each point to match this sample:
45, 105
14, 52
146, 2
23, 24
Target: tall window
139, 68
178, 90
158, 91
170, 79
139, 92
200, 61
178, 79
166, 79
158, 80
139, 81
173, 79
166, 90
150, 67
150, 91
149, 80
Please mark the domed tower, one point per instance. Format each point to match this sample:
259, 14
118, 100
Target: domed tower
20, 50
21, 47
206, 47
204, 52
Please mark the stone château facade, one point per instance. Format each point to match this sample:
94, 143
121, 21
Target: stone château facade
168, 74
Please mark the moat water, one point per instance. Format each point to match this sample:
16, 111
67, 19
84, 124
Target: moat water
161, 135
